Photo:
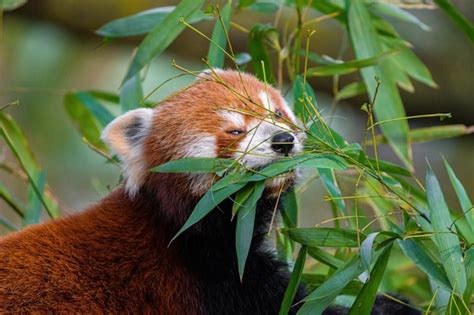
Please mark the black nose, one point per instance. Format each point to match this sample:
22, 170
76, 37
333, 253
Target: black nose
283, 143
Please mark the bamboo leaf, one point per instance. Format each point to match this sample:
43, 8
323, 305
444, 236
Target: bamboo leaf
304, 99
258, 34
136, 24
448, 243
244, 227
194, 165
419, 254
307, 160
327, 237
394, 11
464, 201
318, 300
12, 201
464, 24
131, 94
328, 178
85, 122
428, 134
18, 140
367, 295
366, 44
207, 203
162, 35
33, 210
325, 258
348, 66
351, 90
294, 282
407, 61
18, 145
142, 22
216, 55
263, 7
290, 209
469, 262
8, 5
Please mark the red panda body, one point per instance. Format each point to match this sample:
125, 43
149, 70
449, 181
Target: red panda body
115, 257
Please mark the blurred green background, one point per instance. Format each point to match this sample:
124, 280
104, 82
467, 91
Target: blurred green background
48, 47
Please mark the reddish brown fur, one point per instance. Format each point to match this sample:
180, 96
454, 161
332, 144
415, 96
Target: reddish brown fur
113, 257
106, 259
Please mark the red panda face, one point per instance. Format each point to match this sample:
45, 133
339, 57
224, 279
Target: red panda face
224, 114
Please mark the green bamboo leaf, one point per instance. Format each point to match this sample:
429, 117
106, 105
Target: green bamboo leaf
83, 119
290, 209
394, 11
103, 116
366, 249
314, 281
11, 200
366, 44
285, 248
8, 5
108, 97
241, 197
162, 35
407, 61
348, 66
33, 210
351, 90
304, 100
464, 24
294, 282
19, 142
16, 141
244, 226
469, 263
263, 7
366, 297
258, 34
327, 259
307, 160
320, 132
448, 243
428, 134
419, 254
194, 165
216, 54
131, 94
136, 24
207, 203
318, 300
142, 22
328, 178
464, 201
327, 237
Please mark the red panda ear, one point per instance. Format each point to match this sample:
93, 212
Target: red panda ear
125, 135
209, 74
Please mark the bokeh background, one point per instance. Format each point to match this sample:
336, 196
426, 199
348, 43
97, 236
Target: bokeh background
48, 47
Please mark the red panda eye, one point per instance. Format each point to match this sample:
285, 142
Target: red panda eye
278, 113
235, 132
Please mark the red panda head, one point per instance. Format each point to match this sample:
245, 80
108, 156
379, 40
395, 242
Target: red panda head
223, 114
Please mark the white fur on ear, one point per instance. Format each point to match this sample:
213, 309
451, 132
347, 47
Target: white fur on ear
209, 74
125, 135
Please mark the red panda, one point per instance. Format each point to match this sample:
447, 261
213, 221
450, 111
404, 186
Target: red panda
114, 256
